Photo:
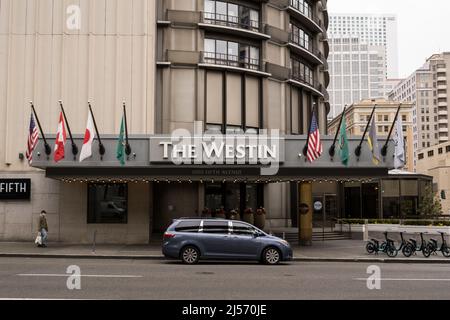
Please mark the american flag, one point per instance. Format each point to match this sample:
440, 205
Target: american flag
33, 137
315, 147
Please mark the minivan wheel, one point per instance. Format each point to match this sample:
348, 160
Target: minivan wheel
190, 255
271, 256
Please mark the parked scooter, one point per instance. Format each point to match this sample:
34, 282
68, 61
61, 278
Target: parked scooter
444, 248
387, 246
411, 248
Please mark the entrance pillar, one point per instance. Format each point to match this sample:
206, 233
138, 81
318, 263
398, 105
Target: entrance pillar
305, 214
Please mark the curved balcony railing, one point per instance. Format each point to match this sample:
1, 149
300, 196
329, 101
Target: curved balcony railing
232, 21
306, 49
231, 61
305, 13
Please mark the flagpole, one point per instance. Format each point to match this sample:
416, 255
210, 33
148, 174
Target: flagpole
127, 144
332, 150
358, 148
101, 147
305, 149
74, 146
48, 150
385, 147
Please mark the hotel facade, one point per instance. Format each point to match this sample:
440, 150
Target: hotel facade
190, 66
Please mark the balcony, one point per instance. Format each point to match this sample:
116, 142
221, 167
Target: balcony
233, 25
308, 84
324, 10
303, 14
232, 63
443, 129
305, 50
442, 95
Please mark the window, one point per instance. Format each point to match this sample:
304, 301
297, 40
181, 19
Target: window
303, 6
421, 156
430, 153
242, 229
300, 37
302, 72
231, 53
107, 203
440, 150
188, 226
447, 149
229, 14
217, 227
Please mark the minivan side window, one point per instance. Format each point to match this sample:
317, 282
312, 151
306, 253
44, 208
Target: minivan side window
188, 226
216, 227
242, 229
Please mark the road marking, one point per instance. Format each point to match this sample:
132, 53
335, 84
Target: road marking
399, 279
82, 275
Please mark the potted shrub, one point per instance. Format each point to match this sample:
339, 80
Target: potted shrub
260, 218
248, 216
206, 212
234, 214
220, 213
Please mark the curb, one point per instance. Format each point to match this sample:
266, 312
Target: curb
160, 257
80, 256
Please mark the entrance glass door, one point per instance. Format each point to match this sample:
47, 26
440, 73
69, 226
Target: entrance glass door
233, 196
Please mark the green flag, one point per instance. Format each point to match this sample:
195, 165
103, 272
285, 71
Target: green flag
120, 153
343, 142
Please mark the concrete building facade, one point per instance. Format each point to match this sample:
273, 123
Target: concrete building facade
357, 72
427, 89
435, 162
371, 29
233, 65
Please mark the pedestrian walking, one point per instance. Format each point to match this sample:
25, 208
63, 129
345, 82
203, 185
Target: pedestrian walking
43, 228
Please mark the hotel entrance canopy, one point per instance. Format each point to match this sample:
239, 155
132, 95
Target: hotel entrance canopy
152, 158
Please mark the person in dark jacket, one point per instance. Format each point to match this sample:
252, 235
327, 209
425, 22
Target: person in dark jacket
43, 228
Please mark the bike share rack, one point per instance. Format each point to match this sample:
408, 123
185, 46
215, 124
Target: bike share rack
409, 247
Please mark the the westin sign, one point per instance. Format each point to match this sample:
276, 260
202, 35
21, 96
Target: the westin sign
15, 189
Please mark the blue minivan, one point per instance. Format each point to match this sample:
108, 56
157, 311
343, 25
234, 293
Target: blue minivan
191, 240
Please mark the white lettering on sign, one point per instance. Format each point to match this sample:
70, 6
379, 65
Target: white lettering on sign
214, 148
13, 187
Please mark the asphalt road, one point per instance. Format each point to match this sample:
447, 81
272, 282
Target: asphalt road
30, 278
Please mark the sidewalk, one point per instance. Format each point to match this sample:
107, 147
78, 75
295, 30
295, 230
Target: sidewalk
325, 251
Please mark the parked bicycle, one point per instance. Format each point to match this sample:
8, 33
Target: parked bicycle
444, 248
387, 246
412, 247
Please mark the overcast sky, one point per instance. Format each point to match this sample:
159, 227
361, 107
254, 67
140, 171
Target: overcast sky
423, 26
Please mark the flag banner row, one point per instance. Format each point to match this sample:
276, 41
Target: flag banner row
90, 134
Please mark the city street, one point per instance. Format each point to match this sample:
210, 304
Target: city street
31, 278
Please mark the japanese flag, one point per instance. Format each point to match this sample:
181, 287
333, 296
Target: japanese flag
89, 135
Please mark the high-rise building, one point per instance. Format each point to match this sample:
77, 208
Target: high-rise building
372, 29
229, 65
357, 72
427, 88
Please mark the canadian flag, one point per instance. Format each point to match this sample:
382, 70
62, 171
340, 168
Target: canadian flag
89, 135
60, 141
